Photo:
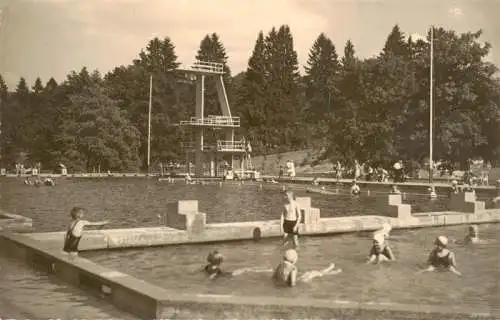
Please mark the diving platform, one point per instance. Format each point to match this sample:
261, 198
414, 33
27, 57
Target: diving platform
203, 67
227, 146
213, 121
223, 146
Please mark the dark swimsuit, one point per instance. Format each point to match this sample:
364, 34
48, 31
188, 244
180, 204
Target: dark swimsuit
383, 250
289, 226
71, 241
211, 269
440, 262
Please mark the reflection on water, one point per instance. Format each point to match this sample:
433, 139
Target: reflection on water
138, 202
176, 268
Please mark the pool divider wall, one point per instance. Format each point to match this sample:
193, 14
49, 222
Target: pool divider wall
465, 202
186, 225
148, 301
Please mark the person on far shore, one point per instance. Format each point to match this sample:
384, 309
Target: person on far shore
290, 219
441, 258
75, 230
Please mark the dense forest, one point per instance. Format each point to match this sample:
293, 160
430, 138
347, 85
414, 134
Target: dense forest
347, 108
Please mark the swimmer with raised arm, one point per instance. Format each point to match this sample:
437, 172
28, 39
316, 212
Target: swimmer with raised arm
75, 230
290, 219
380, 250
441, 258
286, 274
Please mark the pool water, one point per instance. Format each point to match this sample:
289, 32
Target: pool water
178, 268
130, 202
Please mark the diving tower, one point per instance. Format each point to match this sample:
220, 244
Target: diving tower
225, 148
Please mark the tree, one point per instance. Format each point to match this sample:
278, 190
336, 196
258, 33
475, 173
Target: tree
252, 93
283, 126
129, 86
212, 50
3, 102
99, 135
322, 70
395, 43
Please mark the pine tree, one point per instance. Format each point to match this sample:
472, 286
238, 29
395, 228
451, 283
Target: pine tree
252, 94
283, 108
129, 87
212, 50
322, 70
395, 43
37, 87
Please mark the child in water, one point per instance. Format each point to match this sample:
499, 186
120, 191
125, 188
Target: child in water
75, 230
355, 189
380, 250
286, 274
213, 268
290, 219
472, 236
441, 258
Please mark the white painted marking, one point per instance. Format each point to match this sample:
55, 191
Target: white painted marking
113, 274
215, 295
342, 301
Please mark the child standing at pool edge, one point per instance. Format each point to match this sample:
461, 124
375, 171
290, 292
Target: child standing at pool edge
290, 219
75, 229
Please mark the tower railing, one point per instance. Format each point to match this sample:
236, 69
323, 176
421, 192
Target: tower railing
229, 145
204, 66
221, 146
216, 121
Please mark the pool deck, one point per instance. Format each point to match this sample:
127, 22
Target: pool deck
438, 182
333, 181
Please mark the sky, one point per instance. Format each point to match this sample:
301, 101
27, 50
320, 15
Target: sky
49, 38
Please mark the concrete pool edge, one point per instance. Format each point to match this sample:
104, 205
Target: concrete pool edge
256, 230
148, 301
15, 222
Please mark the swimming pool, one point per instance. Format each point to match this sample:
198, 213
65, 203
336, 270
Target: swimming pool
130, 202
176, 268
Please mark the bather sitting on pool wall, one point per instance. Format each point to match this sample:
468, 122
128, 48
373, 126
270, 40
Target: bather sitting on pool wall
380, 250
75, 230
290, 219
286, 274
441, 258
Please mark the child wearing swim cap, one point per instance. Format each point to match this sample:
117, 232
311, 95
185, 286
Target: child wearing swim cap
286, 272
380, 250
441, 257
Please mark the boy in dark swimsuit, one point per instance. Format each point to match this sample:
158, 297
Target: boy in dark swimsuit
75, 230
290, 219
